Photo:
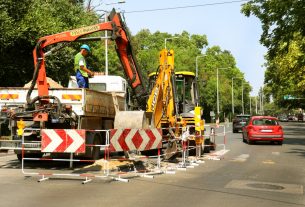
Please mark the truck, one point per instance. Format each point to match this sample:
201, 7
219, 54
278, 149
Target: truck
89, 108
41, 107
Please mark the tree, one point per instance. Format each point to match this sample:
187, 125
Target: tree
284, 36
187, 47
23, 22
281, 20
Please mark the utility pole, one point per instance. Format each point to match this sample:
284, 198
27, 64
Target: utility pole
250, 105
255, 104
242, 97
106, 46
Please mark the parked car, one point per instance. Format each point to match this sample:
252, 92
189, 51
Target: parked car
239, 121
283, 118
263, 128
301, 117
292, 118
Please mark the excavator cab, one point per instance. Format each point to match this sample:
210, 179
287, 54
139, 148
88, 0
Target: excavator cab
186, 91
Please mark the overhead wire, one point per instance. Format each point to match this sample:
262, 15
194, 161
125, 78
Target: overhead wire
185, 7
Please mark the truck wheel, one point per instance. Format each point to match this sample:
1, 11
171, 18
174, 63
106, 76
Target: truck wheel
29, 155
19, 157
95, 152
192, 145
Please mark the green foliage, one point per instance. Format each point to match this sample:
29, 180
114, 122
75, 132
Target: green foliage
22, 23
187, 47
284, 36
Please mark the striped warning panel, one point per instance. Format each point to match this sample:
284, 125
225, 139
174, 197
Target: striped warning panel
135, 139
63, 140
9, 96
72, 97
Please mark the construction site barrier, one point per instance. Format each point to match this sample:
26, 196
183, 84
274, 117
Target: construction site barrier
213, 134
186, 161
88, 176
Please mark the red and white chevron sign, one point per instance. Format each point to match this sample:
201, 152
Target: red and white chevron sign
63, 140
135, 139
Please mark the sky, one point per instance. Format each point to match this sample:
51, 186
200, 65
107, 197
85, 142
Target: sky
223, 24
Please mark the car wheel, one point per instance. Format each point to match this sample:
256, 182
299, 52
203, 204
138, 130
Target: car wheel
244, 140
280, 142
250, 142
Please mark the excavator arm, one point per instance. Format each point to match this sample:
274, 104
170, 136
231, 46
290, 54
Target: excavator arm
124, 50
162, 101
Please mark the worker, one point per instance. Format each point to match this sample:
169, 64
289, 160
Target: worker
80, 67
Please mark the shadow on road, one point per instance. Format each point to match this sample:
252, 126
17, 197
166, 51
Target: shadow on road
299, 152
39, 164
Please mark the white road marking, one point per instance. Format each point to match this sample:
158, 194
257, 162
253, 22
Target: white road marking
241, 158
218, 155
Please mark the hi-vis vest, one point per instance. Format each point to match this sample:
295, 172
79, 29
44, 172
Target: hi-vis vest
77, 58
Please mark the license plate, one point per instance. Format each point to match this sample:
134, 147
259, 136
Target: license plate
266, 130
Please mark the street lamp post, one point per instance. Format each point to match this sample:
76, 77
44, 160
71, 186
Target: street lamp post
250, 104
170, 38
242, 97
106, 46
233, 93
106, 33
218, 90
256, 105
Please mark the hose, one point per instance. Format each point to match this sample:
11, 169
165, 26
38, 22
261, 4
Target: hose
35, 75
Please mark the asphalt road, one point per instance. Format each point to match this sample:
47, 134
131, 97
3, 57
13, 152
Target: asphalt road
261, 175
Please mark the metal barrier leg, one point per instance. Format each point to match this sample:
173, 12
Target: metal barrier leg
120, 179
86, 180
43, 178
71, 160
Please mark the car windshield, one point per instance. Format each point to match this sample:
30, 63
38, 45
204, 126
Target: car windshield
265, 121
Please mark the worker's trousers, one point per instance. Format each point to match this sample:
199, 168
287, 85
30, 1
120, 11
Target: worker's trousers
82, 82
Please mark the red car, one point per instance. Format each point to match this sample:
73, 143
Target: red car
263, 128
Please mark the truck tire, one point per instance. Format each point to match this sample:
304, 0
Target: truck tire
19, 157
192, 146
29, 155
95, 151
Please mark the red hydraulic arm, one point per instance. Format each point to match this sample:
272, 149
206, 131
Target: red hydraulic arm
124, 50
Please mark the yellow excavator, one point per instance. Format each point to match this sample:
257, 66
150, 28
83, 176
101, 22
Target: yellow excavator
171, 104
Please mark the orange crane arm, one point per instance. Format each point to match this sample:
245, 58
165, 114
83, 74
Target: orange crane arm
124, 50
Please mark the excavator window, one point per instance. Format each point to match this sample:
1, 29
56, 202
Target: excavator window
185, 89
